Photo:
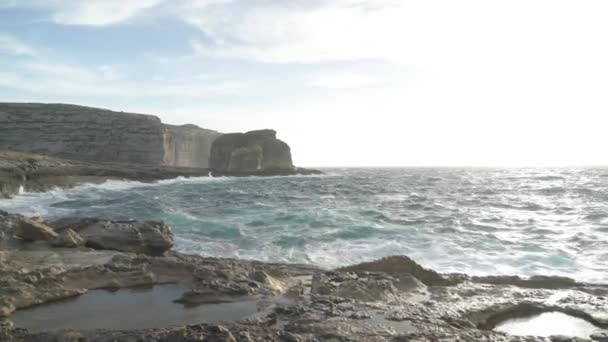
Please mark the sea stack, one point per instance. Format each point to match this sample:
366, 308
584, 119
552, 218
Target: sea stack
252, 152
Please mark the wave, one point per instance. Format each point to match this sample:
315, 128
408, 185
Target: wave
487, 221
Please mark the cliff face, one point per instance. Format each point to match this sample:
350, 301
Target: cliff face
251, 152
92, 134
188, 145
81, 133
99, 135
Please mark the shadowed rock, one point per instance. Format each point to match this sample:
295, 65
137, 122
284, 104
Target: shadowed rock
251, 152
153, 238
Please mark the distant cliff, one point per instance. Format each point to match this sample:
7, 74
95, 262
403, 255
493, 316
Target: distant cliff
187, 145
92, 134
251, 152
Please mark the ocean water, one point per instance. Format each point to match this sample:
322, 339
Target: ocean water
476, 221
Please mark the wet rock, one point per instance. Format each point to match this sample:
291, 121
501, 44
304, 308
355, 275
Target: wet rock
31, 230
398, 265
534, 282
152, 238
69, 239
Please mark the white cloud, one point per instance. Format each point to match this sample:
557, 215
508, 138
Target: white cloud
296, 31
345, 80
89, 12
60, 79
12, 45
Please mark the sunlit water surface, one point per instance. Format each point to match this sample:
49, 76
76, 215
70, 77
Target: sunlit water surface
549, 324
478, 221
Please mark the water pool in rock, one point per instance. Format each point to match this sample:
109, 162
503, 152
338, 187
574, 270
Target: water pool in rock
548, 324
135, 308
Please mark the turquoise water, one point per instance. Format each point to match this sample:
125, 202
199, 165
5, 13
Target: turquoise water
478, 221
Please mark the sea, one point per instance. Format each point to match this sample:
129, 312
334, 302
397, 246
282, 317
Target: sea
479, 221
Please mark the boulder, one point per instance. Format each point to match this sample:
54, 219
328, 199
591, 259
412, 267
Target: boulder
250, 153
69, 239
32, 230
152, 238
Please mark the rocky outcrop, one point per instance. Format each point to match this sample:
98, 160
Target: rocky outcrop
250, 153
93, 134
152, 238
385, 300
188, 145
96, 135
34, 173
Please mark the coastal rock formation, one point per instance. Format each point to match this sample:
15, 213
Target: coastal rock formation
93, 134
187, 145
392, 299
152, 238
34, 173
251, 152
81, 133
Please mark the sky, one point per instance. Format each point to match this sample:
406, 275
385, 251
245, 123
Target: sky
344, 82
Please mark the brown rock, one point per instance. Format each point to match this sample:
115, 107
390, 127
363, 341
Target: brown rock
32, 230
68, 238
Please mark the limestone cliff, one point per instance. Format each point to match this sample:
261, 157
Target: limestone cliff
251, 152
188, 145
81, 133
92, 134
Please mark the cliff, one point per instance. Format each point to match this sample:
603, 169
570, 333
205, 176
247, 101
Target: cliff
81, 133
188, 145
92, 134
251, 152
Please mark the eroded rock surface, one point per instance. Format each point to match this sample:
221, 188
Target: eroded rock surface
392, 299
153, 238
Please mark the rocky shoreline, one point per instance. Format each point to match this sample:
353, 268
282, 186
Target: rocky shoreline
392, 299
37, 173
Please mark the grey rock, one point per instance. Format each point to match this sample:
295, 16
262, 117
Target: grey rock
399, 265
152, 238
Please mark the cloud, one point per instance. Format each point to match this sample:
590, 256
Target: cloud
345, 80
14, 46
295, 31
88, 12
45, 77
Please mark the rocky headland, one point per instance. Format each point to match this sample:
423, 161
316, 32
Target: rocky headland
43, 264
43, 146
100, 136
